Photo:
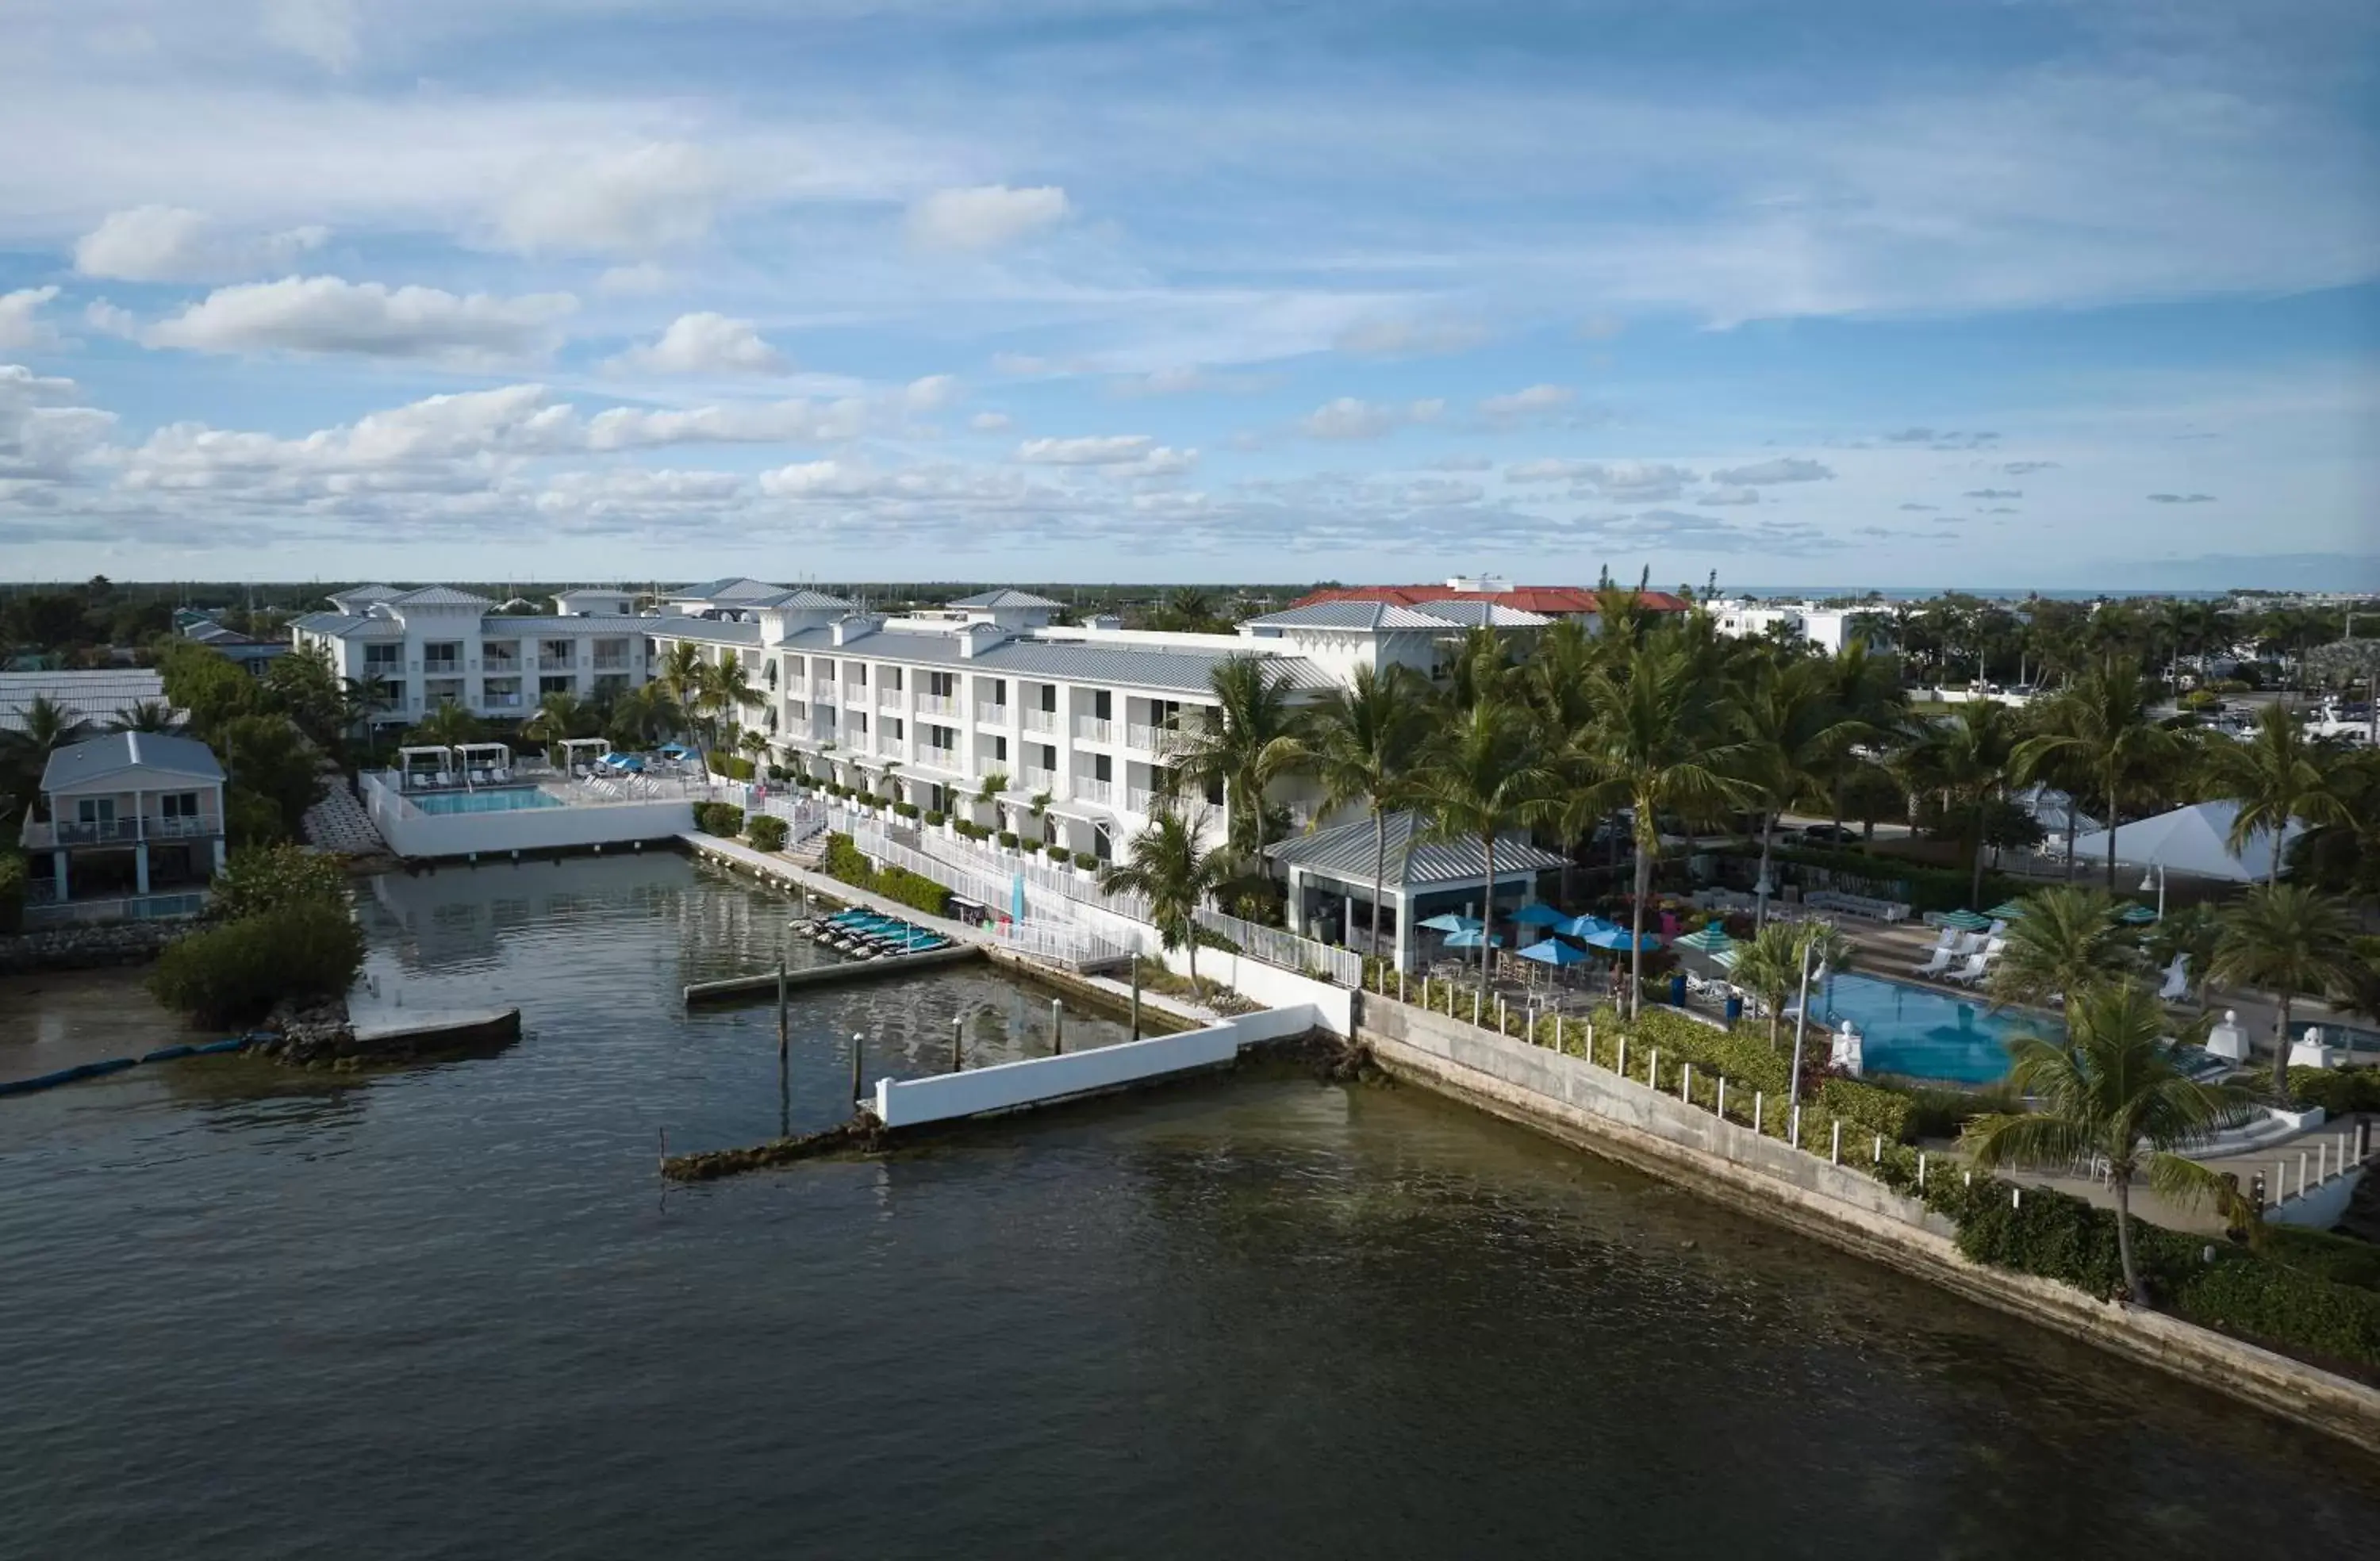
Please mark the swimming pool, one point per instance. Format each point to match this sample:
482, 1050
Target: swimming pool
1923, 1033
508, 799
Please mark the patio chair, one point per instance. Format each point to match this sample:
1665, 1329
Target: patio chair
1972, 972
2177, 981
1936, 962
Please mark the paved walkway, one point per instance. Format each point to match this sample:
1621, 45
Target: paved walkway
783, 870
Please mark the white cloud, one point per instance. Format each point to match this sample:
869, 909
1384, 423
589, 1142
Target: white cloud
45, 432
636, 493
1411, 338
1785, 469
2172, 499
1460, 464
932, 393
323, 31
632, 281
328, 314
707, 343
1718, 496
984, 217
1521, 405
779, 422
1640, 482
1188, 380
1105, 450
110, 320
1351, 418
1162, 461
820, 479
994, 422
650, 197
21, 327
175, 244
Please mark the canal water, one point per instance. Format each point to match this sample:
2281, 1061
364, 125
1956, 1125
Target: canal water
452, 1311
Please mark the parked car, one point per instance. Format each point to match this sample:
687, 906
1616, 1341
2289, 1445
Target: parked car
1830, 834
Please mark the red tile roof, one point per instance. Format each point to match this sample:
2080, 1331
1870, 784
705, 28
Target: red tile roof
1552, 600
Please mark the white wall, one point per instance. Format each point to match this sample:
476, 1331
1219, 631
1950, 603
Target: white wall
1034, 1079
1333, 1007
411, 832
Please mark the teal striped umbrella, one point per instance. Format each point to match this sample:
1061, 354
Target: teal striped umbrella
2139, 915
2006, 911
1965, 920
1710, 940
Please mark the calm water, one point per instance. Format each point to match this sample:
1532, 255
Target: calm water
451, 1312
1923, 1033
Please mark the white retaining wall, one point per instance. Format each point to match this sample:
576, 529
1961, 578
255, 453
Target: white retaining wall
1334, 1007
411, 832
1037, 1080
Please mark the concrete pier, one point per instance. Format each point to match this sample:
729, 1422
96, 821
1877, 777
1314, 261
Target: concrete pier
764, 985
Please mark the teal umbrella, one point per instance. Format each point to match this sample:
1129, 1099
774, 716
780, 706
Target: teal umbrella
2006, 911
1965, 920
1470, 938
1536, 913
1449, 922
2139, 915
1711, 939
1555, 953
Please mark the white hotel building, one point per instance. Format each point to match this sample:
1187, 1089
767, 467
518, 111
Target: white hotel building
939, 701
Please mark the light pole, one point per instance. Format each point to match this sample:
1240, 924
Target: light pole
1801, 1026
2156, 875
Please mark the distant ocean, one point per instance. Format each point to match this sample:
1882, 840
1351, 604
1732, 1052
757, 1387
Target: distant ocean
1926, 593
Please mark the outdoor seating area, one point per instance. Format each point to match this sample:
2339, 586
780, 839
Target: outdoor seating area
1889, 911
867, 934
433, 767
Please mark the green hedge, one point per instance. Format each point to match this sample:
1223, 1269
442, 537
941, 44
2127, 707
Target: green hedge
766, 832
719, 818
265, 878
2339, 1091
1925, 887
968, 829
843, 860
1089, 861
736, 766
1008, 839
12, 873
935, 818
909, 810
233, 973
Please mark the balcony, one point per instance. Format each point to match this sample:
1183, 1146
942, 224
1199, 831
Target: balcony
1142, 738
448, 668
1029, 780
1088, 790
1041, 721
936, 705
1091, 729
509, 701
501, 666
996, 715
823, 693
117, 832
610, 663
1140, 799
556, 664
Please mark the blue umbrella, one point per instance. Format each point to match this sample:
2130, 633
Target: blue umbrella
1536, 913
2138, 915
1585, 927
630, 762
1471, 939
1553, 953
1449, 922
676, 750
1617, 937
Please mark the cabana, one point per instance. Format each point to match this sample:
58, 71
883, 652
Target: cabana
485, 763
414, 776
2192, 841
579, 754
1330, 874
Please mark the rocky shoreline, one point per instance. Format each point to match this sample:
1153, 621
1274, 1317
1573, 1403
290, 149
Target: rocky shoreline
99, 946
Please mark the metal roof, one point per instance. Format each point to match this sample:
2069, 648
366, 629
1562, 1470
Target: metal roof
1471, 614
1345, 850
79, 764
1184, 672
803, 597
1374, 616
350, 625
708, 631
1005, 596
439, 596
85, 696
364, 593
736, 588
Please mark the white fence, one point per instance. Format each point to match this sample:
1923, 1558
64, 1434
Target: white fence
1036, 1081
1060, 941
132, 908
1287, 949
411, 832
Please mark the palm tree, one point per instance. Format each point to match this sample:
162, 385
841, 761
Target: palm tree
448, 725
558, 716
2068, 942
24, 753
2289, 940
2101, 725
2190, 932
723, 691
1792, 731
1768, 964
1252, 738
680, 675
1481, 776
2114, 1090
1965, 761
2274, 775
1653, 745
1166, 864
1365, 737
1866, 690
1480, 669
146, 715
642, 715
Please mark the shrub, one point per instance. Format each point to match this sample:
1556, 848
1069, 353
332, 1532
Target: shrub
766, 832
1089, 861
935, 817
904, 809
233, 973
844, 861
970, 829
266, 878
736, 766
2338, 1092
779, 774
913, 889
1008, 839
1033, 848
837, 789
719, 818
12, 892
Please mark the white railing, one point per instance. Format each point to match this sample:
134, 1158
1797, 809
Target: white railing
996, 714
936, 705
1091, 729
1038, 876
823, 691
1088, 790
1036, 779
1287, 949
1142, 738
1041, 721
1140, 799
133, 908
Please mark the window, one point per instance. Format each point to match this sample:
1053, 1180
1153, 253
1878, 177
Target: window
1099, 705
1049, 698
859, 674
999, 692
893, 728
891, 680
942, 739
1000, 750
1102, 767
565, 684
942, 686
178, 805
1165, 712
1215, 796
1045, 754
95, 810
859, 723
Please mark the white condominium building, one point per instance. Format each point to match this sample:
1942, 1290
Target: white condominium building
418, 649
1828, 628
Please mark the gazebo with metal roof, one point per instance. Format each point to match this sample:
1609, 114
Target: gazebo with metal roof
1330, 873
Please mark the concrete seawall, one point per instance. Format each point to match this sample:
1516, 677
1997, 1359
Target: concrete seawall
1595, 1109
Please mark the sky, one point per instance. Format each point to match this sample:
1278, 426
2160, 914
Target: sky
2046, 293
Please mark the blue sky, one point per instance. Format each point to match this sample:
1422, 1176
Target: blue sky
2032, 293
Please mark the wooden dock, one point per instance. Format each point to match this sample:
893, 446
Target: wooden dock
764, 985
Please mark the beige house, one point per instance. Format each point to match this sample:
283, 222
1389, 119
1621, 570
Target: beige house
128, 815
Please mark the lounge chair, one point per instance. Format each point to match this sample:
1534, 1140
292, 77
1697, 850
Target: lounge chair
1936, 962
1947, 938
1972, 972
2177, 981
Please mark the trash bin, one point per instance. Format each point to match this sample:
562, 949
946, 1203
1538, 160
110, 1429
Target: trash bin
1734, 1006
1678, 989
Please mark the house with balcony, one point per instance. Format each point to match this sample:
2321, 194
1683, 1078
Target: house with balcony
416, 650
129, 824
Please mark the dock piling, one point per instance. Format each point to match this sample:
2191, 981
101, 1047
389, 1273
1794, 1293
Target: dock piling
1057, 1028
1135, 996
958, 1041
858, 1043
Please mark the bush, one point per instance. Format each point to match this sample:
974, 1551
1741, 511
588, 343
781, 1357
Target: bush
1008, 839
233, 973
904, 809
736, 766
719, 818
1033, 848
2338, 1092
13, 877
766, 832
1088, 861
968, 829
914, 889
837, 789
779, 774
935, 817
266, 878
844, 861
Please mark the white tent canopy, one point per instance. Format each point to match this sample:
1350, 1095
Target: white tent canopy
2191, 840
